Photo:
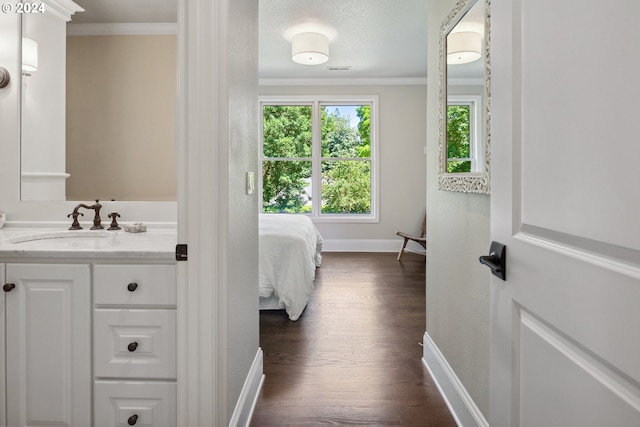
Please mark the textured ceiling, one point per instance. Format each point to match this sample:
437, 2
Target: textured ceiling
375, 39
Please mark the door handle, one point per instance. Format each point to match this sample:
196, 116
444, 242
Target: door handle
496, 260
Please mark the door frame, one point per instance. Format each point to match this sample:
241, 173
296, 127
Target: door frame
202, 332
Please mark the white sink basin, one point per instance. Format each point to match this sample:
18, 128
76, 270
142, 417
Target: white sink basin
65, 234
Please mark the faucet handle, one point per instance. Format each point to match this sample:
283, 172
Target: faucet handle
114, 222
75, 225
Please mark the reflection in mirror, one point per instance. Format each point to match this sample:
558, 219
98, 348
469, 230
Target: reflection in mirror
42, 106
464, 98
98, 113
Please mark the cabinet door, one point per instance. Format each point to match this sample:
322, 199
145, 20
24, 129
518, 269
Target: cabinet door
48, 345
134, 343
138, 403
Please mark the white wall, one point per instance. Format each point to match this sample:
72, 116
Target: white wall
43, 113
457, 234
402, 109
242, 258
9, 106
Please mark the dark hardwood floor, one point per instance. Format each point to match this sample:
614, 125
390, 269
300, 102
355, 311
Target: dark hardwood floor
353, 357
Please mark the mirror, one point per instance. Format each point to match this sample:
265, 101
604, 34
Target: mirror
464, 98
98, 105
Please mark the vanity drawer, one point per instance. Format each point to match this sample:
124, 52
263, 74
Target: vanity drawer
131, 343
124, 403
135, 284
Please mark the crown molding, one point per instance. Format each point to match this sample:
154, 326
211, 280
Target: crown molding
62, 8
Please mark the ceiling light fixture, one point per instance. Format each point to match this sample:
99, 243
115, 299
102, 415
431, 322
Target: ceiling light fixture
310, 48
463, 47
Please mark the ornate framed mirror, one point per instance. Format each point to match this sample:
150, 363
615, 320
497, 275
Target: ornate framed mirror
465, 90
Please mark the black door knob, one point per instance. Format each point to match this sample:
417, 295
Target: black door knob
133, 419
132, 286
496, 260
132, 347
8, 287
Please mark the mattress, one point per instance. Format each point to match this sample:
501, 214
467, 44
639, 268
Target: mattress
290, 249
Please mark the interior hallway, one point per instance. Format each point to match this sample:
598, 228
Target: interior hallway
354, 356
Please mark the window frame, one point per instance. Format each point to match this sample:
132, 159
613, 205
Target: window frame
476, 137
316, 102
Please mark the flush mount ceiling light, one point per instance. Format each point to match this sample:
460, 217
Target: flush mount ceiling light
463, 47
310, 48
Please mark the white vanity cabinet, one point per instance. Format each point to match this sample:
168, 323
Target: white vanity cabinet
47, 334
134, 345
87, 328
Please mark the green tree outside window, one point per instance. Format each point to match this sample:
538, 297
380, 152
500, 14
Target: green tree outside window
345, 182
458, 138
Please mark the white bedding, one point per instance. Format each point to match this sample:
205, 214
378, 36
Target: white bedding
290, 250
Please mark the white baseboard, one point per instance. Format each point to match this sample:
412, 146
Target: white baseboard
243, 411
368, 245
461, 405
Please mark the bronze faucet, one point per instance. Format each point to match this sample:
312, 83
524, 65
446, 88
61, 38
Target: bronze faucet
96, 219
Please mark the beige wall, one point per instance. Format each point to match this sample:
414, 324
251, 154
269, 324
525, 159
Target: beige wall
402, 109
458, 233
121, 96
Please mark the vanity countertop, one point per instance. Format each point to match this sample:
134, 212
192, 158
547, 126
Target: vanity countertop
49, 242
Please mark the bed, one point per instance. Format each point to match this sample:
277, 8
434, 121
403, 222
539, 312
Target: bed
290, 250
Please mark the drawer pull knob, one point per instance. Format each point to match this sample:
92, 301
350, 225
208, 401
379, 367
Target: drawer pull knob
133, 419
132, 287
132, 347
8, 287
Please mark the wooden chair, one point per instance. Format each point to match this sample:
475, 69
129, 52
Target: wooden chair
421, 239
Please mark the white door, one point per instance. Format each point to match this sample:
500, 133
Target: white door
565, 150
48, 345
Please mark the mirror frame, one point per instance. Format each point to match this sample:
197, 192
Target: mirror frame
467, 182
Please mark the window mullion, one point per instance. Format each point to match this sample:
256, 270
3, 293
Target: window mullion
316, 168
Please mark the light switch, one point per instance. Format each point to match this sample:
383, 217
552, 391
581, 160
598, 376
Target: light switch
250, 183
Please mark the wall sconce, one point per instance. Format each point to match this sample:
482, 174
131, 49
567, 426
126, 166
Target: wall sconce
310, 48
29, 56
4, 77
463, 47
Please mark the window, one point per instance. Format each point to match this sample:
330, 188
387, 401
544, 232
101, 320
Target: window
464, 150
318, 157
